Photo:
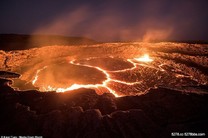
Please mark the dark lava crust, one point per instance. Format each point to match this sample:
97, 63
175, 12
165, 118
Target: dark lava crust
83, 113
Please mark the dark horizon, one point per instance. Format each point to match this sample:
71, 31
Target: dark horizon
47, 36
108, 20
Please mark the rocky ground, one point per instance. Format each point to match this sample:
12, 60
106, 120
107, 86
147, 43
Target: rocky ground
83, 113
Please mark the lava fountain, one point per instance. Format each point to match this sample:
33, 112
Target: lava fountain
144, 58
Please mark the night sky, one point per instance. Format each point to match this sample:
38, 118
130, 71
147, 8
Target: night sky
107, 20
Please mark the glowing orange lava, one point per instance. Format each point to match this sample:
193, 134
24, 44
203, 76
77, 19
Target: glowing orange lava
104, 84
144, 58
36, 75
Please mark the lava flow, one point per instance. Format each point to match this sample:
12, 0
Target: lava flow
98, 86
36, 75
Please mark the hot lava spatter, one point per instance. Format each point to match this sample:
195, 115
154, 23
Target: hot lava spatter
104, 84
144, 58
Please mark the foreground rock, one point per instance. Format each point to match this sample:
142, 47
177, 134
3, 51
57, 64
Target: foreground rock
83, 113
6, 74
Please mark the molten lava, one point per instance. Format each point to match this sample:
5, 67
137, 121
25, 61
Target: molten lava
144, 58
37, 75
122, 69
104, 84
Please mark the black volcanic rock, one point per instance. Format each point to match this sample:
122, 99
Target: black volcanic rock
24, 119
5, 82
5, 85
106, 103
171, 105
134, 123
52, 124
6, 74
83, 113
90, 123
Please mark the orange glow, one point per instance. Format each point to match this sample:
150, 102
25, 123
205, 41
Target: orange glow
104, 84
144, 58
36, 75
99, 86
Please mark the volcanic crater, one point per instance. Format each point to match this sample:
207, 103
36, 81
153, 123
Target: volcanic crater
105, 90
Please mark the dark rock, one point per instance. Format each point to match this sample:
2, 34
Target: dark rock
90, 123
106, 103
83, 113
7, 74
73, 119
52, 124
24, 119
5, 82
5, 85
134, 123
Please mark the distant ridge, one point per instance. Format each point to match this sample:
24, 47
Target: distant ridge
184, 41
158, 41
21, 42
